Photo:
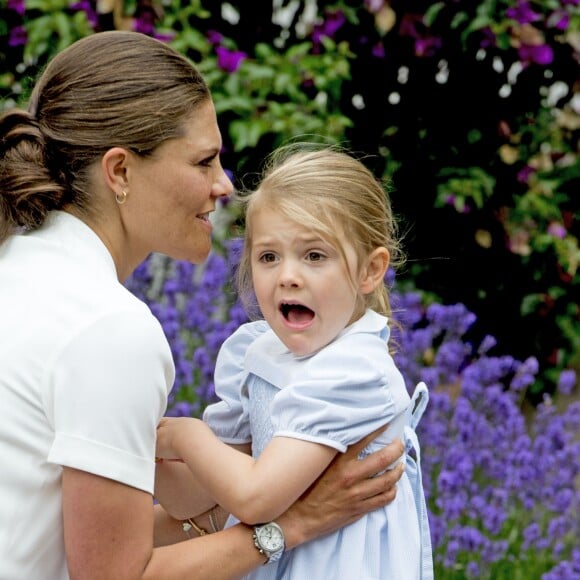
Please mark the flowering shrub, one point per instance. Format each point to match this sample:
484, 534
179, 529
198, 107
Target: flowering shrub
470, 108
501, 487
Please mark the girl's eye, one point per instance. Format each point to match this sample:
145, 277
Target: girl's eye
267, 257
315, 256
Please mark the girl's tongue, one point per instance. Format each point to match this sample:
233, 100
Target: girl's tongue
297, 314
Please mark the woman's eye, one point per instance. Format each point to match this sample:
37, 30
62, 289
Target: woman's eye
208, 161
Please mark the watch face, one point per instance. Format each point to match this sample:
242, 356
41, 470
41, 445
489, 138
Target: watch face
270, 538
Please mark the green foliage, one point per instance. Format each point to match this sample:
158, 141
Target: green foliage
265, 96
467, 107
53, 29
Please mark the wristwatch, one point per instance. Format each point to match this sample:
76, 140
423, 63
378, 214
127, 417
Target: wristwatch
269, 540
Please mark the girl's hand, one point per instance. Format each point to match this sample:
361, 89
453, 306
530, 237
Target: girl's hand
172, 434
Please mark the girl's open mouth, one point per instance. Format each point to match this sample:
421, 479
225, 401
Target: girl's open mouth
296, 314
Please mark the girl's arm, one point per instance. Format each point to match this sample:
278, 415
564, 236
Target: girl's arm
180, 492
254, 490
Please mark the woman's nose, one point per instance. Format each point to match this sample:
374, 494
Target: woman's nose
223, 185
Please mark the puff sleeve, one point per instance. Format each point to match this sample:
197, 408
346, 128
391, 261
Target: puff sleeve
343, 393
228, 418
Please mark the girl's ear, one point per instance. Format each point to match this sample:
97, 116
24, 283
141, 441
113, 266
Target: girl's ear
374, 272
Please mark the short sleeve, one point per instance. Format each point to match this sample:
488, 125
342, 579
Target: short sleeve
228, 418
108, 391
341, 394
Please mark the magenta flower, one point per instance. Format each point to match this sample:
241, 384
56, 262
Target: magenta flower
88, 8
539, 54
522, 13
18, 36
488, 38
229, 60
525, 173
427, 46
557, 230
16, 5
214, 37
378, 50
333, 22
559, 19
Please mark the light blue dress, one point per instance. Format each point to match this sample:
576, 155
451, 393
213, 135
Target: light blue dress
333, 397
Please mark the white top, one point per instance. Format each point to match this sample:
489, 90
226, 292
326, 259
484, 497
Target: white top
85, 371
333, 397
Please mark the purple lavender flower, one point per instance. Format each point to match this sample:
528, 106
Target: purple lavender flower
182, 409
567, 381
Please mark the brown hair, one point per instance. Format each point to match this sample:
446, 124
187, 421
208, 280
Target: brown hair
332, 193
109, 89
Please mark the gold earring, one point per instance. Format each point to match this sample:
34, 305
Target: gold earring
121, 198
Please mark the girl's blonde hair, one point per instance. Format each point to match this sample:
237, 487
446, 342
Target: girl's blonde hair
332, 193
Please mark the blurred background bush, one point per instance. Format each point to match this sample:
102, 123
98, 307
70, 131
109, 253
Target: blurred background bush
471, 109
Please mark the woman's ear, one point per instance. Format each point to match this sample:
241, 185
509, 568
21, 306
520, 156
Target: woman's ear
374, 271
114, 165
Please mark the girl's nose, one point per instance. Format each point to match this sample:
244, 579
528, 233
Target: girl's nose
289, 275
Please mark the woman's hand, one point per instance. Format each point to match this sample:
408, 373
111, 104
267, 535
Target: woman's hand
345, 492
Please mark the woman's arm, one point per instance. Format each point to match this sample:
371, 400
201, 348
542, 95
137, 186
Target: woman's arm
109, 527
347, 490
254, 490
109, 533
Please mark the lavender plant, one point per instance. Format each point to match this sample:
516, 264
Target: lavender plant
501, 486
198, 311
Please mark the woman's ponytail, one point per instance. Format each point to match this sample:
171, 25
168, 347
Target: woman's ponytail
27, 190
